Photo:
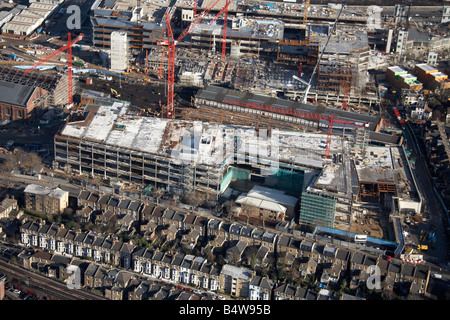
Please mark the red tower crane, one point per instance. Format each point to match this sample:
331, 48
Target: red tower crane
225, 18
67, 46
171, 43
346, 91
161, 66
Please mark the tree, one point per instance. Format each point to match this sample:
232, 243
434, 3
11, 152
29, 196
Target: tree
31, 161
26, 160
7, 166
112, 226
343, 287
72, 225
158, 193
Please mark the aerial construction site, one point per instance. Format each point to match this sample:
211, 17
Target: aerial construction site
299, 116
223, 72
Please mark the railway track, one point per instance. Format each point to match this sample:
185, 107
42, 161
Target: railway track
54, 288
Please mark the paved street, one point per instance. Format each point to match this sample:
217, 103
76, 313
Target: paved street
437, 251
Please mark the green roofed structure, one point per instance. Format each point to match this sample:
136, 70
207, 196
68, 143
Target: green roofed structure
317, 209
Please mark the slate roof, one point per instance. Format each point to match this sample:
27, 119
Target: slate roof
16, 94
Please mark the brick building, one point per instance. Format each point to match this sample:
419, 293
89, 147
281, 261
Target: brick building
18, 102
402, 79
431, 77
45, 200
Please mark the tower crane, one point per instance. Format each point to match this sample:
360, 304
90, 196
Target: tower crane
171, 44
330, 118
305, 14
225, 21
346, 91
308, 84
68, 47
161, 66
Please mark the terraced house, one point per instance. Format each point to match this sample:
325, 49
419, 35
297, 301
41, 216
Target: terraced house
178, 268
231, 279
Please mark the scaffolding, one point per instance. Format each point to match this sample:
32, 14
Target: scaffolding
360, 143
288, 51
222, 117
119, 51
56, 85
337, 76
317, 209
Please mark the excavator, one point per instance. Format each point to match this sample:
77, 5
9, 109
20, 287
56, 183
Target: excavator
114, 93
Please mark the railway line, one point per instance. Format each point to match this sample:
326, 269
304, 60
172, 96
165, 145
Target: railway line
52, 287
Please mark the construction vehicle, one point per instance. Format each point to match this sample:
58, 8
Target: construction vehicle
114, 93
78, 63
423, 235
193, 103
422, 247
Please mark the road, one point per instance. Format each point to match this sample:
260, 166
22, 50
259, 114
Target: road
438, 251
417, 11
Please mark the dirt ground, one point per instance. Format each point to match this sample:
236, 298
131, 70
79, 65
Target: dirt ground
370, 224
141, 94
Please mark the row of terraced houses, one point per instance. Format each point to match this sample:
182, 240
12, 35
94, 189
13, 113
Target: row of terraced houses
178, 268
231, 279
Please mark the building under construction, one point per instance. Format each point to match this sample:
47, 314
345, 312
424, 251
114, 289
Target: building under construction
286, 110
270, 33
54, 84
259, 33
180, 155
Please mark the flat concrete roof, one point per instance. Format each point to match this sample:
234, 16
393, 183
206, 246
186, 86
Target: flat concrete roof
202, 142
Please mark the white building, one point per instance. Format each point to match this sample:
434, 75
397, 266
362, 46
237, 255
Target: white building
445, 14
401, 41
400, 12
25, 22
432, 58
119, 51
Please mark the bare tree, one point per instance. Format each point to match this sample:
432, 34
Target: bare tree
192, 198
26, 160
30, 161
158, 193
7, 166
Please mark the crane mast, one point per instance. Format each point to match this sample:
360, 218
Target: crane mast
67, 47
171, 44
